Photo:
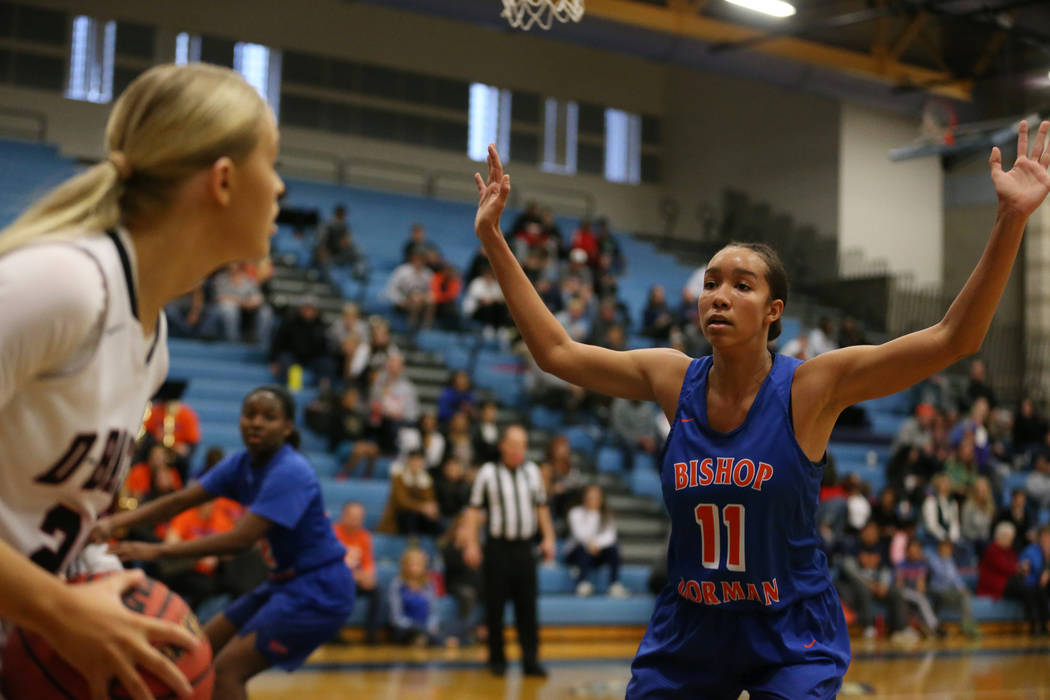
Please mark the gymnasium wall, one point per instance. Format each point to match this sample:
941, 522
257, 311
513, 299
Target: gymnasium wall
890, 210
783, 147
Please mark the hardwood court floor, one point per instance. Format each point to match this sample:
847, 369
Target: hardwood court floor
1000, 667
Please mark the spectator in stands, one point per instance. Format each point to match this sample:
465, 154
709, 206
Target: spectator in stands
562, 480
394, 402
531, 214
822, 338
887, 514
171, 422
909, 471
694, 343
858, 507
445, 287
459, 443
961, 468
408, 289
484, 303
196, 581
940, 512
155, 477
978, 514
348, 323
975, 426
352, 359
585, 240
528, 239
418, 244
657, 318
578, 270
302, 339
457, 396
346, 419
452, 488
462, 581
978, 386
425, 436
538, 266
1001, 575
592, 543
866, 577
609, 247
192, 316
916, 431
693, 286
910, 578
850, 333
948, 591
574, 319
605, 282
798, 347
380, 348
336, 246
555, 239
607, 317
1019, 515
1035, 565
351, 531
1030, 428
1038, 482
412, 507
485, 434
240, 303
634, 427
414, 614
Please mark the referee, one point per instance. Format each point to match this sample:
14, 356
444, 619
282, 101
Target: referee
511, 495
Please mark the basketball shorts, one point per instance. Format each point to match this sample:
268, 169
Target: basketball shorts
695, 651
292, 618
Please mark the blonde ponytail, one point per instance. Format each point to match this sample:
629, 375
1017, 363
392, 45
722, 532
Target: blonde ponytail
171, 122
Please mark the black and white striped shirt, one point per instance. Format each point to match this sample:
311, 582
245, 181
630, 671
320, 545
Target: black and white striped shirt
510, 497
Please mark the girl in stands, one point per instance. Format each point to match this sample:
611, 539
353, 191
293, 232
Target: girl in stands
750, 603
311, 590
188, 185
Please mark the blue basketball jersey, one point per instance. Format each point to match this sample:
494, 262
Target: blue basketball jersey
742, 504
286, 492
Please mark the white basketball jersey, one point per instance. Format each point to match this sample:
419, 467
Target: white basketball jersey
73, 389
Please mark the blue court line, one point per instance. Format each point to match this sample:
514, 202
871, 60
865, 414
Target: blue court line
439, 664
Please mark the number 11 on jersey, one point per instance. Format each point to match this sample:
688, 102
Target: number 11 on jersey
711, 536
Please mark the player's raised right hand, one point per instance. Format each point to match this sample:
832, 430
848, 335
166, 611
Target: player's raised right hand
492, 195
97, 635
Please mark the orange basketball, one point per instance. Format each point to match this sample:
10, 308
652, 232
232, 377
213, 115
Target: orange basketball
33, 671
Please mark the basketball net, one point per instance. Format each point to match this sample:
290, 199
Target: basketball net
938, 123
523, 14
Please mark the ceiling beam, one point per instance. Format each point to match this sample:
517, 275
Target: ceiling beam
710, 30
908, 35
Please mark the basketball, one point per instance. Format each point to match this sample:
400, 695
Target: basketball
34, 671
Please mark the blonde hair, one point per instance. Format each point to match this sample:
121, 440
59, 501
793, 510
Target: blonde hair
171, 122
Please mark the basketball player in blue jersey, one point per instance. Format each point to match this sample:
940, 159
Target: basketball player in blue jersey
311, 590
749, 604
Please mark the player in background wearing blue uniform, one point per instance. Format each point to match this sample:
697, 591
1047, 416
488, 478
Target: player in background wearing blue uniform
311, 590
750, 605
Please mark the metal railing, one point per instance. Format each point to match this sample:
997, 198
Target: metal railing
420, 179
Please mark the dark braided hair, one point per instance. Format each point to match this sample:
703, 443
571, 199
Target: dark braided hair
287, 402
776, 277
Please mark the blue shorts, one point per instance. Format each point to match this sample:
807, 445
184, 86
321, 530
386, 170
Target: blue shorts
292, 618
695, 651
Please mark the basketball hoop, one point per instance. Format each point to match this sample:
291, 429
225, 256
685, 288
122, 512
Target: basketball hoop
523, 14
939, 122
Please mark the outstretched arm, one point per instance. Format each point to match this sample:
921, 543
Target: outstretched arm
249, 530
164, 508
637, 374
843, 377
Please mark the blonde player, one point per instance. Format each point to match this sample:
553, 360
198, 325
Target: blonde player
188, 185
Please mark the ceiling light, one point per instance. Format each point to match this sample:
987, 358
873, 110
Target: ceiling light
776, 8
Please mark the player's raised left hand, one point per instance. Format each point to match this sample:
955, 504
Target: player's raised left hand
1024, 187
493, 195
136, 551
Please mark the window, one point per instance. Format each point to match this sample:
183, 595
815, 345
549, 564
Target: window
560, 128
489, 121
261, 67
91, 60
623, 147
187, 48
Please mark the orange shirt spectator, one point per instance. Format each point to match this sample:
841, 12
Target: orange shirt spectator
445, 286
175, 425
141, 480
350, 530
211, 518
